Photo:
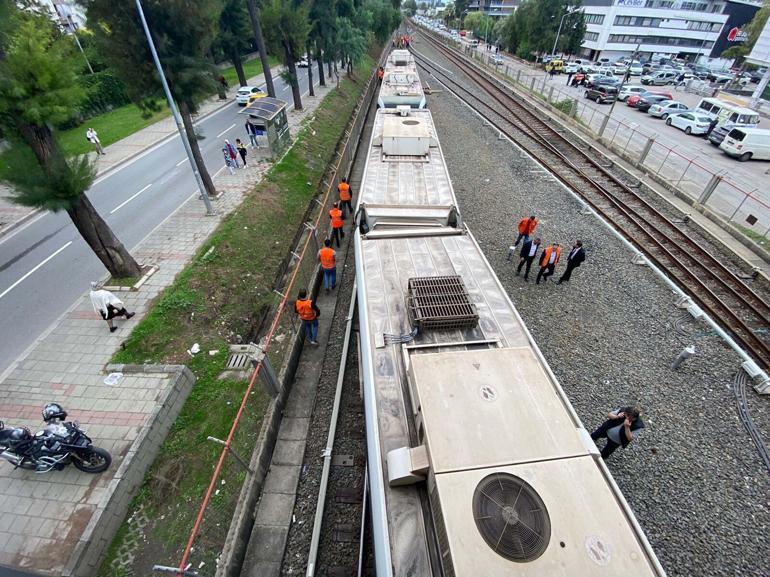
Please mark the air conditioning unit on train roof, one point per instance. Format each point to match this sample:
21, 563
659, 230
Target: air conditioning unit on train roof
405, 136
513, 482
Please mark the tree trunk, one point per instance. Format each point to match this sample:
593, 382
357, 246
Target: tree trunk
102, 240
192, 138
254, 15
329, 68
238, 63
293, 80
319, 60
94, 230
310, 72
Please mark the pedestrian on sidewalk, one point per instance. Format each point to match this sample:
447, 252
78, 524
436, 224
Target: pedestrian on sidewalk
548, 261
346, 196
229, 162
526, 229
93, 138
622, 426
575, 258
233, 152
108, 305
527, 256
308, 313
251, 130
552, 72
328, 259
241, 150
337, 218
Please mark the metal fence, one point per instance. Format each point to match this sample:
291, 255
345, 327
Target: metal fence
209, 534
739, 202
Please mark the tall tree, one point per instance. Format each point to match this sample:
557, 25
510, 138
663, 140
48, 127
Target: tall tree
39, 89
183, 32
256, 24
351, 44
287, 25
233, 37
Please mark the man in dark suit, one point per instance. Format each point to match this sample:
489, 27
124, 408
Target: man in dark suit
528, 252
576, 256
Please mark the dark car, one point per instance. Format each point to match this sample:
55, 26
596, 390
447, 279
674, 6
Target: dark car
646, 102
602, 93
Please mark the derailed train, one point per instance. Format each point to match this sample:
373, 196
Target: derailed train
478, 464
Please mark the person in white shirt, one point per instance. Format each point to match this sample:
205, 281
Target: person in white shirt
93, 138
108, 305
528, 253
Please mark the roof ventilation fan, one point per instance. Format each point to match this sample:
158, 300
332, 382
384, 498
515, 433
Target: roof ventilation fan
511, 517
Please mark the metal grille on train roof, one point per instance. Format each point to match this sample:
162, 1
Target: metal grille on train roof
511, 517
440, 303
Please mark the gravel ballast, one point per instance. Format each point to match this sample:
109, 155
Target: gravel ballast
694, 478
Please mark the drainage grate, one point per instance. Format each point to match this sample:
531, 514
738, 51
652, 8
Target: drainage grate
440, 303
241, 357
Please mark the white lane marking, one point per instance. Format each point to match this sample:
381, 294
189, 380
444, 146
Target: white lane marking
228, 129
125, 202
287, 87
218, 172
181, 162
26, 225
14, 285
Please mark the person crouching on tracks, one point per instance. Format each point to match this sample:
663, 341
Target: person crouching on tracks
526, 229
548, 261
621, 427
336, 216
308, 313
528, 253
328, 259
346, 196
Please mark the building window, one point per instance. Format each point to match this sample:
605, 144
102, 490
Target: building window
594, 18
659, 40
591, 36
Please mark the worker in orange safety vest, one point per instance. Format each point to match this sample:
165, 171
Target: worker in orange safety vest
308, 313
527, 228
336, 215
328, 259
548, 261
346, 196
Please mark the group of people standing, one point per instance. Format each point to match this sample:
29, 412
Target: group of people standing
549, 257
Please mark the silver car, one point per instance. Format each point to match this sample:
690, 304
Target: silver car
666, 108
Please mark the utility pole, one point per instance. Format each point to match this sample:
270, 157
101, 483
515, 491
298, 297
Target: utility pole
175, 112
558, 32
73, 29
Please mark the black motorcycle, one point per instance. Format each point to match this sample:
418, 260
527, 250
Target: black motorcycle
55, 447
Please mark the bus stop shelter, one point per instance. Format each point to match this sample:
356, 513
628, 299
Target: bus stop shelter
268, 115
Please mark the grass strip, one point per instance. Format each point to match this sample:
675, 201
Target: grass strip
219, 295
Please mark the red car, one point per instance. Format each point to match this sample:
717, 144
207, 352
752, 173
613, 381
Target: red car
633, 100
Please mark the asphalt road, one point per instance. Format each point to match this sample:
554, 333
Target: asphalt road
45, 266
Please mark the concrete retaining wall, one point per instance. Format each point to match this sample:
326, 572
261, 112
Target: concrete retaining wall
107, 519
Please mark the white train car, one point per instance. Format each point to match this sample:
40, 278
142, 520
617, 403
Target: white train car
401, 84
478, 465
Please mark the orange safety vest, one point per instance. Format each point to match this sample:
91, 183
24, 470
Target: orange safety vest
305, 310
547, 256
336, 216
527, 227
344, 189
327, 258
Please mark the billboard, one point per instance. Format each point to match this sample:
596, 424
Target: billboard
734, 31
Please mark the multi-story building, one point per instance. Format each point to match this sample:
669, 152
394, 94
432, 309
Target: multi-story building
67, 13
687, 29
497, 8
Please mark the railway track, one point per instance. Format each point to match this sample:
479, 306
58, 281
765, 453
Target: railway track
716, 289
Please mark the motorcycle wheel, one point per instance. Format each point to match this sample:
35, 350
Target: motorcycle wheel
96, 460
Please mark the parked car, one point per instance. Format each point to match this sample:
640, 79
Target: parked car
619, 68
719, 77
636, 69
747, 143
303, 63
646, 102
245, 93
634, 99
497, 59
660, 78
630, 89
601, 93
666, 108
571, 68
556, 65
690, 122
594, 76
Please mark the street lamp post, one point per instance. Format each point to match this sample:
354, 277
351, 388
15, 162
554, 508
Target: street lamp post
175, 112
73, 29
558, 32
622, 82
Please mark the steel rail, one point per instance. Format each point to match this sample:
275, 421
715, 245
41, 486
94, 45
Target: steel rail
664, 247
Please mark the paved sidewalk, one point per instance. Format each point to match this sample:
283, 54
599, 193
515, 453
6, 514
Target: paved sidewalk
13, 215
45, 520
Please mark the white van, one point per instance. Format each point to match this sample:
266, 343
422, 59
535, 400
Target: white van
747, 144
728, 112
